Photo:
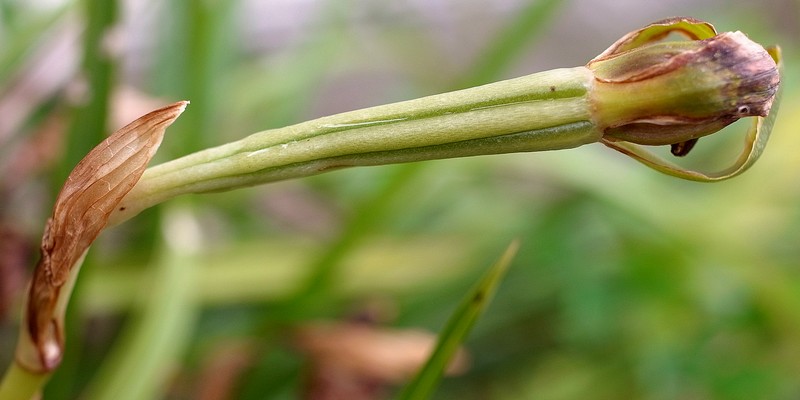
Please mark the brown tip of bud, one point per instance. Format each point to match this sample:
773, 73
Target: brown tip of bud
755, 74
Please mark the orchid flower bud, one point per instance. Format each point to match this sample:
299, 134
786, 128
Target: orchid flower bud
671, 93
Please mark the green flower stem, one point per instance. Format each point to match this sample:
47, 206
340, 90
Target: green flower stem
90, 120
544, 111
19, 383
638, 92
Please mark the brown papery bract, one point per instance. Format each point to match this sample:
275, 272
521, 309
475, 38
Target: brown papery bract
92, 191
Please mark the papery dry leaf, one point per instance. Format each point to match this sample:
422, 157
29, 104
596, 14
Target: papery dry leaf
223, 369
92, 191
366, 351
360, 361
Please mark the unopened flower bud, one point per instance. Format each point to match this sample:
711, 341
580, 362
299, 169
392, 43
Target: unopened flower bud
671, 93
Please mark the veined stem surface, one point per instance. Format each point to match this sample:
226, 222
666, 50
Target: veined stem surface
544, 111
638, 92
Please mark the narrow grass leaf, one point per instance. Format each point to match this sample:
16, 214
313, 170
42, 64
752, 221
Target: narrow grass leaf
510, 42
458, 327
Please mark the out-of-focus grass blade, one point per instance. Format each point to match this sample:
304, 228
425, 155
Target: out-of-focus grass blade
152, 344
20, 39
529, 23
458, 327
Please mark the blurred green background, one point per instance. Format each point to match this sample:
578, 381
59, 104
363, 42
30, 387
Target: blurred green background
629, 284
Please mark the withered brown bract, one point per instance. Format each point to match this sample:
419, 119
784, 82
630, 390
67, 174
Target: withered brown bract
92, 191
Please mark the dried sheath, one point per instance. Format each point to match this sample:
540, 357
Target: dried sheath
92, 191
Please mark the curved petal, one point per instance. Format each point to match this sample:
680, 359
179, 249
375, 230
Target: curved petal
692, 28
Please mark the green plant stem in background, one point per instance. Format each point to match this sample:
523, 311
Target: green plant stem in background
90, 123
315, 290
543, 111
139, 367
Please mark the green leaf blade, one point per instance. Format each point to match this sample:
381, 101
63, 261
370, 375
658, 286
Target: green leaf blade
458, 327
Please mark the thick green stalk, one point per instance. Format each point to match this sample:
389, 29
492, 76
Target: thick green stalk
19, 383
544, 111
637, 92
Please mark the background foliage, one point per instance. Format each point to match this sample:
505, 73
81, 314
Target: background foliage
628, 284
